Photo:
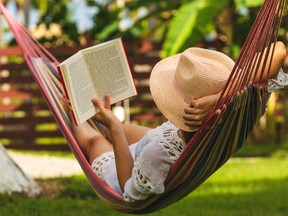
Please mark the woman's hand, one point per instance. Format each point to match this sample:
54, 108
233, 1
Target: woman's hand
104, 114
198, 110
123, 157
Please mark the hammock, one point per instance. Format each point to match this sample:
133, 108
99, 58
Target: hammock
211, 146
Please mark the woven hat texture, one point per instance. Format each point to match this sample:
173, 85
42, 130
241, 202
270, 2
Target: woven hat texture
195, 73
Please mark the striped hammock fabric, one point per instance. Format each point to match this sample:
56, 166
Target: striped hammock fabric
211, 146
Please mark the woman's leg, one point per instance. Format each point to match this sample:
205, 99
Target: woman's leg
91, 142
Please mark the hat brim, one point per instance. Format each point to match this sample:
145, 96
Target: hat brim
169, 102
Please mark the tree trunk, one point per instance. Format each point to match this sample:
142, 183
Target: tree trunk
13, 180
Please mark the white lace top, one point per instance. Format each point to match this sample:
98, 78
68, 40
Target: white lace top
155, 153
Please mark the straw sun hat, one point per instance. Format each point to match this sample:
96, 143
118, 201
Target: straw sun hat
195, 73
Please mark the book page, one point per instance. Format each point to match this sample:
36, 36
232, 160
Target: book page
81, 88
110, 71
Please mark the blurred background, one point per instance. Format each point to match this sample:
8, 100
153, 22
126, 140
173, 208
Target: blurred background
151, 30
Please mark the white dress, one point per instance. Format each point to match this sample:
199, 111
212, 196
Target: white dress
153, 156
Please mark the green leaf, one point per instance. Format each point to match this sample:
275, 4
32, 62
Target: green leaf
184, 29
41, 5
248, 3
109, 29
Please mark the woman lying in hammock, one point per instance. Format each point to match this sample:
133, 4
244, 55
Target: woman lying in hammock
135, 160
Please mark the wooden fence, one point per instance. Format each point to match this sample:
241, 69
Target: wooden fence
25, 119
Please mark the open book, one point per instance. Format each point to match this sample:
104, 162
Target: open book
93, 72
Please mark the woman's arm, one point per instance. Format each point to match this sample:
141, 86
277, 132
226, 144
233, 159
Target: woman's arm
276, 62
133, 132
198, 109
123, 157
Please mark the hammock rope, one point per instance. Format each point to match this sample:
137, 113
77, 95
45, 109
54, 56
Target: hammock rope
213, 144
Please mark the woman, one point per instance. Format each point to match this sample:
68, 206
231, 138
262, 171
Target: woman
135, 160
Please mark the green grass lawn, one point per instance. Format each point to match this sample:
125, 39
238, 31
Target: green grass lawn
245, 186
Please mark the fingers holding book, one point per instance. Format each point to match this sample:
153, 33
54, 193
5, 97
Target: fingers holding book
104, 114
102, 105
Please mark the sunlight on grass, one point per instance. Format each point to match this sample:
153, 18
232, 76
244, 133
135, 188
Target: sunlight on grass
239, 169
243, 186
244, 176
